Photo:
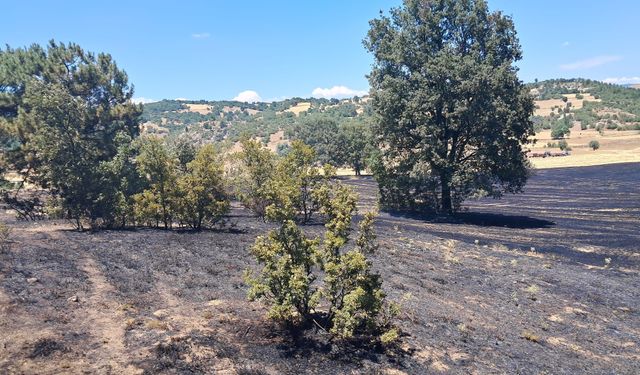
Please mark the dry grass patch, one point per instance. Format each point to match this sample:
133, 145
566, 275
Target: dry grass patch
203, 109
156, 324
615, 147
299, 108
275, 140
530, 336
544, 107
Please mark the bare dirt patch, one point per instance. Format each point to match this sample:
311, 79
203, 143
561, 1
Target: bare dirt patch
276, 139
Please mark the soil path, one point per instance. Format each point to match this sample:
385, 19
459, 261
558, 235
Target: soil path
104, 317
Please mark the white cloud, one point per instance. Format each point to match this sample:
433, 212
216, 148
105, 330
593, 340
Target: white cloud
248, 96
590, 63
622, 80
183, 99
337, 92
200, 35
565, 44
142, 100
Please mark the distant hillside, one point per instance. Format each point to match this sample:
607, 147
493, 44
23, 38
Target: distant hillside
565, 108
230, 120
592, 104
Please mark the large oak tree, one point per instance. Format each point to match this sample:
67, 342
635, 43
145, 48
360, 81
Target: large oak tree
452, 115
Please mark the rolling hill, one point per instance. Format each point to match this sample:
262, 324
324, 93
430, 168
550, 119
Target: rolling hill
587, 111
230, 120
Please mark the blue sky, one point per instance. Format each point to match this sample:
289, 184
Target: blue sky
276, 49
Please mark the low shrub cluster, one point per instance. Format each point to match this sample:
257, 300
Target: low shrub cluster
324, 279
187, 190
276, 188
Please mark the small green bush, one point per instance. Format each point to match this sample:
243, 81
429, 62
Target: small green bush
594, 145
291, 264
285, 282
277, 188
563, 145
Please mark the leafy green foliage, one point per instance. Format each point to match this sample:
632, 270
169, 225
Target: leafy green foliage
353, 290
594, 145
281, 188
257, 168
319, 131
355, 145
64, 110
285, 282
623, 100
327, 125
201, 197
194, 194
350, 288
452, 113
158, 165
564, 146
560, 130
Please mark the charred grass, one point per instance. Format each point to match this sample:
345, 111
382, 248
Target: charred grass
477, 296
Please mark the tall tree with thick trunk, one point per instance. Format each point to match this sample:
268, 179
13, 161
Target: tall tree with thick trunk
452, 115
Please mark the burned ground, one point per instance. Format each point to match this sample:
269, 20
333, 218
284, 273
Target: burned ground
544, 282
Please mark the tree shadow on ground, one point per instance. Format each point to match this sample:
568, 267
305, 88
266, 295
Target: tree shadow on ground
286, 350
480, 219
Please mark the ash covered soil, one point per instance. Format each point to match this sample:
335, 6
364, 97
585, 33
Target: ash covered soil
543, 282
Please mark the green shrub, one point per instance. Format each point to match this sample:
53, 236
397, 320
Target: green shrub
559, 130
202, 199
285, 282
594, 145
257, 166
159, 166
563, 145
350, 289
187, 187
279, 188
353, 290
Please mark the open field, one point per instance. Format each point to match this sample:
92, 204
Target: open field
169, 302
203, 109
544, 107
615, 147
299, 108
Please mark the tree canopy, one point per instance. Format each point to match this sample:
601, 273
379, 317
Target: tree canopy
66, 113
452, 115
